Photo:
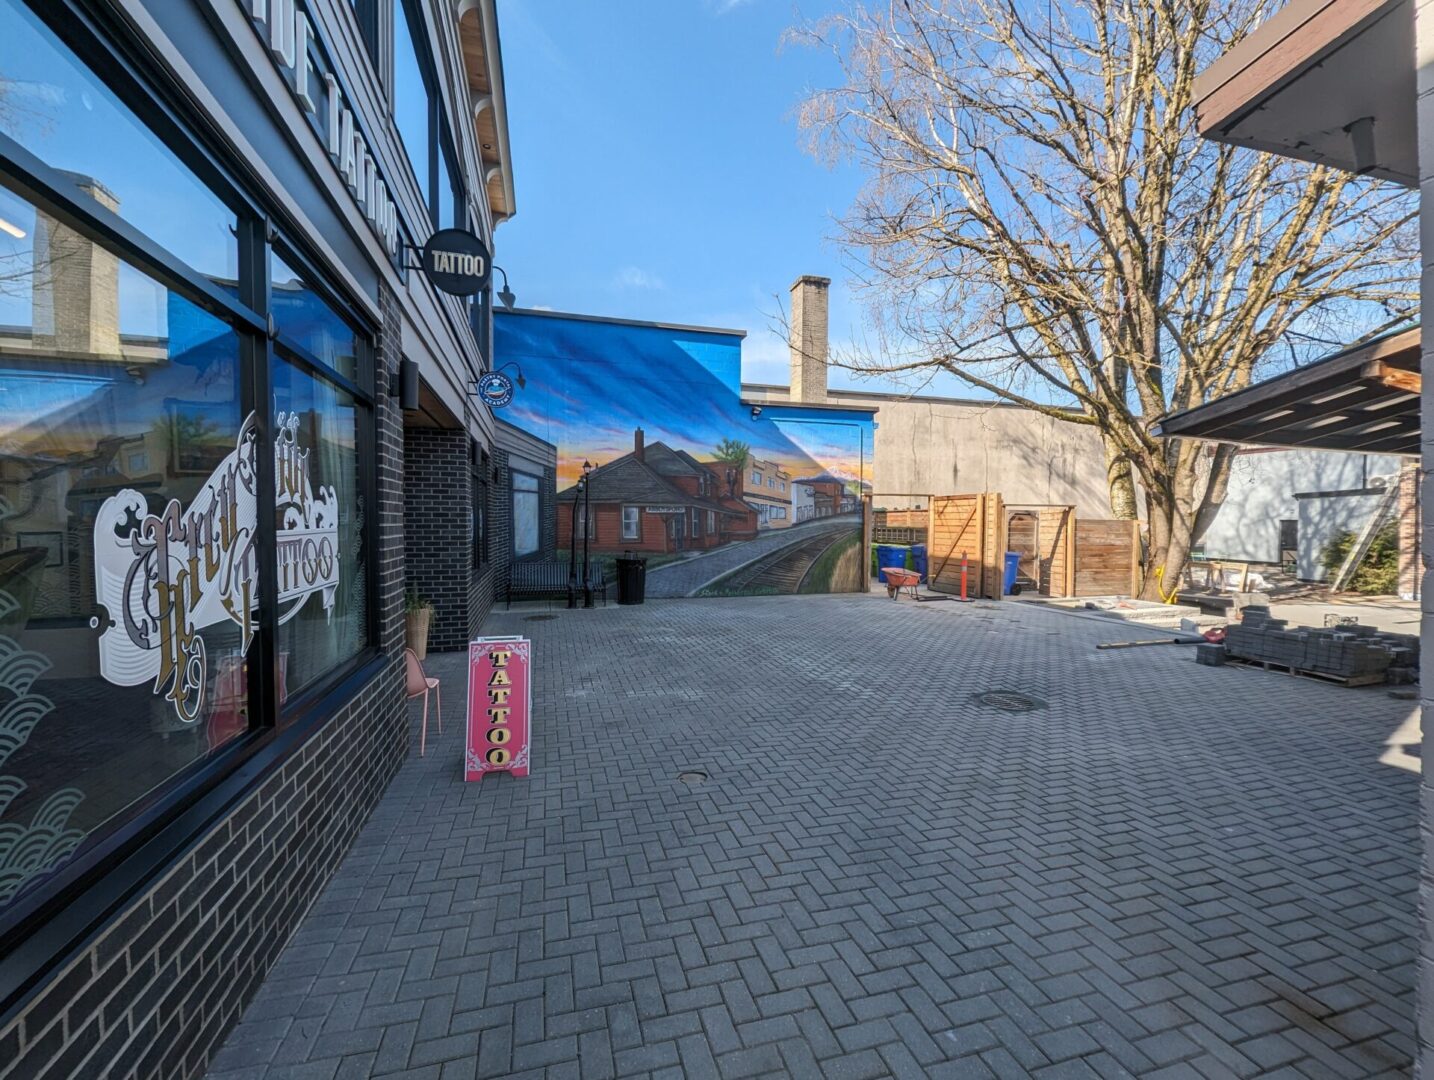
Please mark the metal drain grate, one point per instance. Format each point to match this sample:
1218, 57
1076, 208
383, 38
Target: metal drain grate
538, 618
693, 777
1009, 701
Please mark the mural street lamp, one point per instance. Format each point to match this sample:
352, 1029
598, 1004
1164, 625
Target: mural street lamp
573, 544
587, 528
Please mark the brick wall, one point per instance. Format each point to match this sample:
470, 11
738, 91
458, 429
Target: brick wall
154, 994
438, 526
437, 518
500, 521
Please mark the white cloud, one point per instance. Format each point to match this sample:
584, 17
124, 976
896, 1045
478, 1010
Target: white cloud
634, 277
723, 7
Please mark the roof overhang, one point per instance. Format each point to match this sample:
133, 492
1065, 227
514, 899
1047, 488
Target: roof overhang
1326, 81
1365, 398
483, 65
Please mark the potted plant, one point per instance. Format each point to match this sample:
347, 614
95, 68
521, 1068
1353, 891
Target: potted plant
417, 614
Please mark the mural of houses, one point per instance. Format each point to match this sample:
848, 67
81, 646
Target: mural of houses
679, 466
768, 491
660, 500
824, 496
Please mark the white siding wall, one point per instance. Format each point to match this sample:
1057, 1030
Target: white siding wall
1263, 486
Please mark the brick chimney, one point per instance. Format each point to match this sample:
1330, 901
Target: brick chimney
75, 295
809, 338
638, 449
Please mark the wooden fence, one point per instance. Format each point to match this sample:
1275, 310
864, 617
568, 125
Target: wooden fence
1107, 558
1063, 554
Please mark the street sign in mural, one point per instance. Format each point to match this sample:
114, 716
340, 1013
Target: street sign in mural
163, 578
500, 704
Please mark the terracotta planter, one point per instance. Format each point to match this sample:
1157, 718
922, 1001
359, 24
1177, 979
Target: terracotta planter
417, 630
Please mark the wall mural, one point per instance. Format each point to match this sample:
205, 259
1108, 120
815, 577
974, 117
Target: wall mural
721, 501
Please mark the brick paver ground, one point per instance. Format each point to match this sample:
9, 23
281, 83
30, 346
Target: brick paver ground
1169, 870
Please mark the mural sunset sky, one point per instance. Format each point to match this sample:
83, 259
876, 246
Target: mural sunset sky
590, 384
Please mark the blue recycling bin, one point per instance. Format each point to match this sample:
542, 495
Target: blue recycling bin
890, 555
918, 559
1013, 563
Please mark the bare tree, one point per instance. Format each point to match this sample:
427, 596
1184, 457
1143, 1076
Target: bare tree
1041, 219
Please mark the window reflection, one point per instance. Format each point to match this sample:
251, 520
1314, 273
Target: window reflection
308, 321
60, 112
449, 208
119, 400
411, 106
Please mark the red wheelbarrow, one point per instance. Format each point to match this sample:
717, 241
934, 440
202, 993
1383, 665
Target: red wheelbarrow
898, 579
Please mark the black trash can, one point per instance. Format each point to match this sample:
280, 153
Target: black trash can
631, 578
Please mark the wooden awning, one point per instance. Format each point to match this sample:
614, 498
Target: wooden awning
1326, 81
1365, 398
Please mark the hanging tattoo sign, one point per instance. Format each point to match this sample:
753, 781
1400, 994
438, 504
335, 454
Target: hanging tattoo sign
457, 262
500, 702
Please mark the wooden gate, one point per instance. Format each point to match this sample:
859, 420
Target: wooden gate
1107, 558
1044, 537
969, 527
1057, 547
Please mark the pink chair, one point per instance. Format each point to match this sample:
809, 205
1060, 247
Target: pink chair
420, 683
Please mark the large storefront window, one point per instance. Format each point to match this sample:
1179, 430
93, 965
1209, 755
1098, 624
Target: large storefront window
119, 662
322, 584
135, 437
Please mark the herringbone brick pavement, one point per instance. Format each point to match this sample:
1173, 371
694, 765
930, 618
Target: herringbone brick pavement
1168, 871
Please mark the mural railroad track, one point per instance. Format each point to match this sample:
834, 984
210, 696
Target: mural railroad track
784, 569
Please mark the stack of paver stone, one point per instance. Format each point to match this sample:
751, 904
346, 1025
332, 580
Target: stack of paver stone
1356, 654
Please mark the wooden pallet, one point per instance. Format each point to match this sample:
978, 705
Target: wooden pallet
1318, 676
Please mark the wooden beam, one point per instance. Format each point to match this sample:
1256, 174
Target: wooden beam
1397, 378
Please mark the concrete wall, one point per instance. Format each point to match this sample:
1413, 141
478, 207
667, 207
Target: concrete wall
947, 446
1263, 486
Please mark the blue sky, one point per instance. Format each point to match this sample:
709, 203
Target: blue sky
659, 169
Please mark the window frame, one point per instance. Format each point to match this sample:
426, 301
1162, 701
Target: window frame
636, 531
40, 928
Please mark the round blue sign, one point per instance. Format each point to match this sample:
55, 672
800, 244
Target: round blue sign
495, 389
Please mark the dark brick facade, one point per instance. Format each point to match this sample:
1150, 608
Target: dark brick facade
438, 490
154, 994
438, 526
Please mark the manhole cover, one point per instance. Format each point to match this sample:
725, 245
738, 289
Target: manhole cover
693, 776
1009, 701
539, 618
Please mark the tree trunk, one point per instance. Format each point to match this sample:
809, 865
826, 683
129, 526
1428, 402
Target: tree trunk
1120, 478
1167, 551
1216, 488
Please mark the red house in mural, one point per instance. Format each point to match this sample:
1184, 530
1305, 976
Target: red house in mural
659, 500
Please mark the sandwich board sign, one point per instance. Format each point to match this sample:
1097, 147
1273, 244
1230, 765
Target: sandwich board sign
500, 703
